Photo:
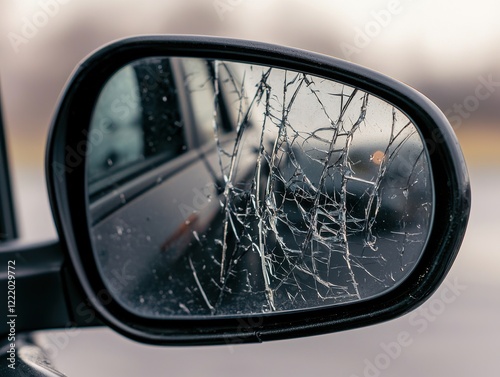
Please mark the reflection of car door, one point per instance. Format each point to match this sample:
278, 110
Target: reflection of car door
163, 215
161, 211
138, 124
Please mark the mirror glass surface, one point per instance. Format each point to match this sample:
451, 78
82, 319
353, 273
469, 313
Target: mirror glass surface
224, 188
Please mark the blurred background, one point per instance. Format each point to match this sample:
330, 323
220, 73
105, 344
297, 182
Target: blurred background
448, 50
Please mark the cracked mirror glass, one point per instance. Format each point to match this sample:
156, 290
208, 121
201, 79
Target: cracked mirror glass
218, 188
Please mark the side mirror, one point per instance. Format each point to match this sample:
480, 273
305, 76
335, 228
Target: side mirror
211, 190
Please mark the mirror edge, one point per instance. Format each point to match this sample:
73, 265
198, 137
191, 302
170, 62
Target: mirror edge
66, 183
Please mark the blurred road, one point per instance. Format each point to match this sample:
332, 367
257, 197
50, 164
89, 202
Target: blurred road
459, 338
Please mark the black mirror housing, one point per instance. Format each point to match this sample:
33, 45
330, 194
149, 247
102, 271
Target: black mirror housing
69, 145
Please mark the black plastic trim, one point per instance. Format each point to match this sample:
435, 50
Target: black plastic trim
66, 180
44, 289
39, 297
8, 228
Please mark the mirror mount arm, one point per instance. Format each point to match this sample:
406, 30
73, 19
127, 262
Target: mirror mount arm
31, 361
42, 296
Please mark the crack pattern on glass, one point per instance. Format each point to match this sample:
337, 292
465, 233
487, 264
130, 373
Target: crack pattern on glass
321, 195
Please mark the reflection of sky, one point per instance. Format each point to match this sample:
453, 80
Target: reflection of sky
447, 35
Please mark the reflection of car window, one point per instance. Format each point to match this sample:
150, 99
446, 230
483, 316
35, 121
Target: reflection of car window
138, 118
232, 88
201, 92
116, 124
161, 119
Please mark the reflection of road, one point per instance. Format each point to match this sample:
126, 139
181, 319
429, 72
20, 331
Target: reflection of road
459, 340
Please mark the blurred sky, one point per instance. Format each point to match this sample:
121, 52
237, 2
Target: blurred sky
441, 48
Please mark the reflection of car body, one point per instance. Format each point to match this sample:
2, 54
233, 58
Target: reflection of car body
161, 202
389, 185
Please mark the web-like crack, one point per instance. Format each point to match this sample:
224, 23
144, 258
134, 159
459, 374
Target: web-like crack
309, 193
306, 204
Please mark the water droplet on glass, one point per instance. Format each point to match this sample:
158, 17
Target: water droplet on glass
184, 308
